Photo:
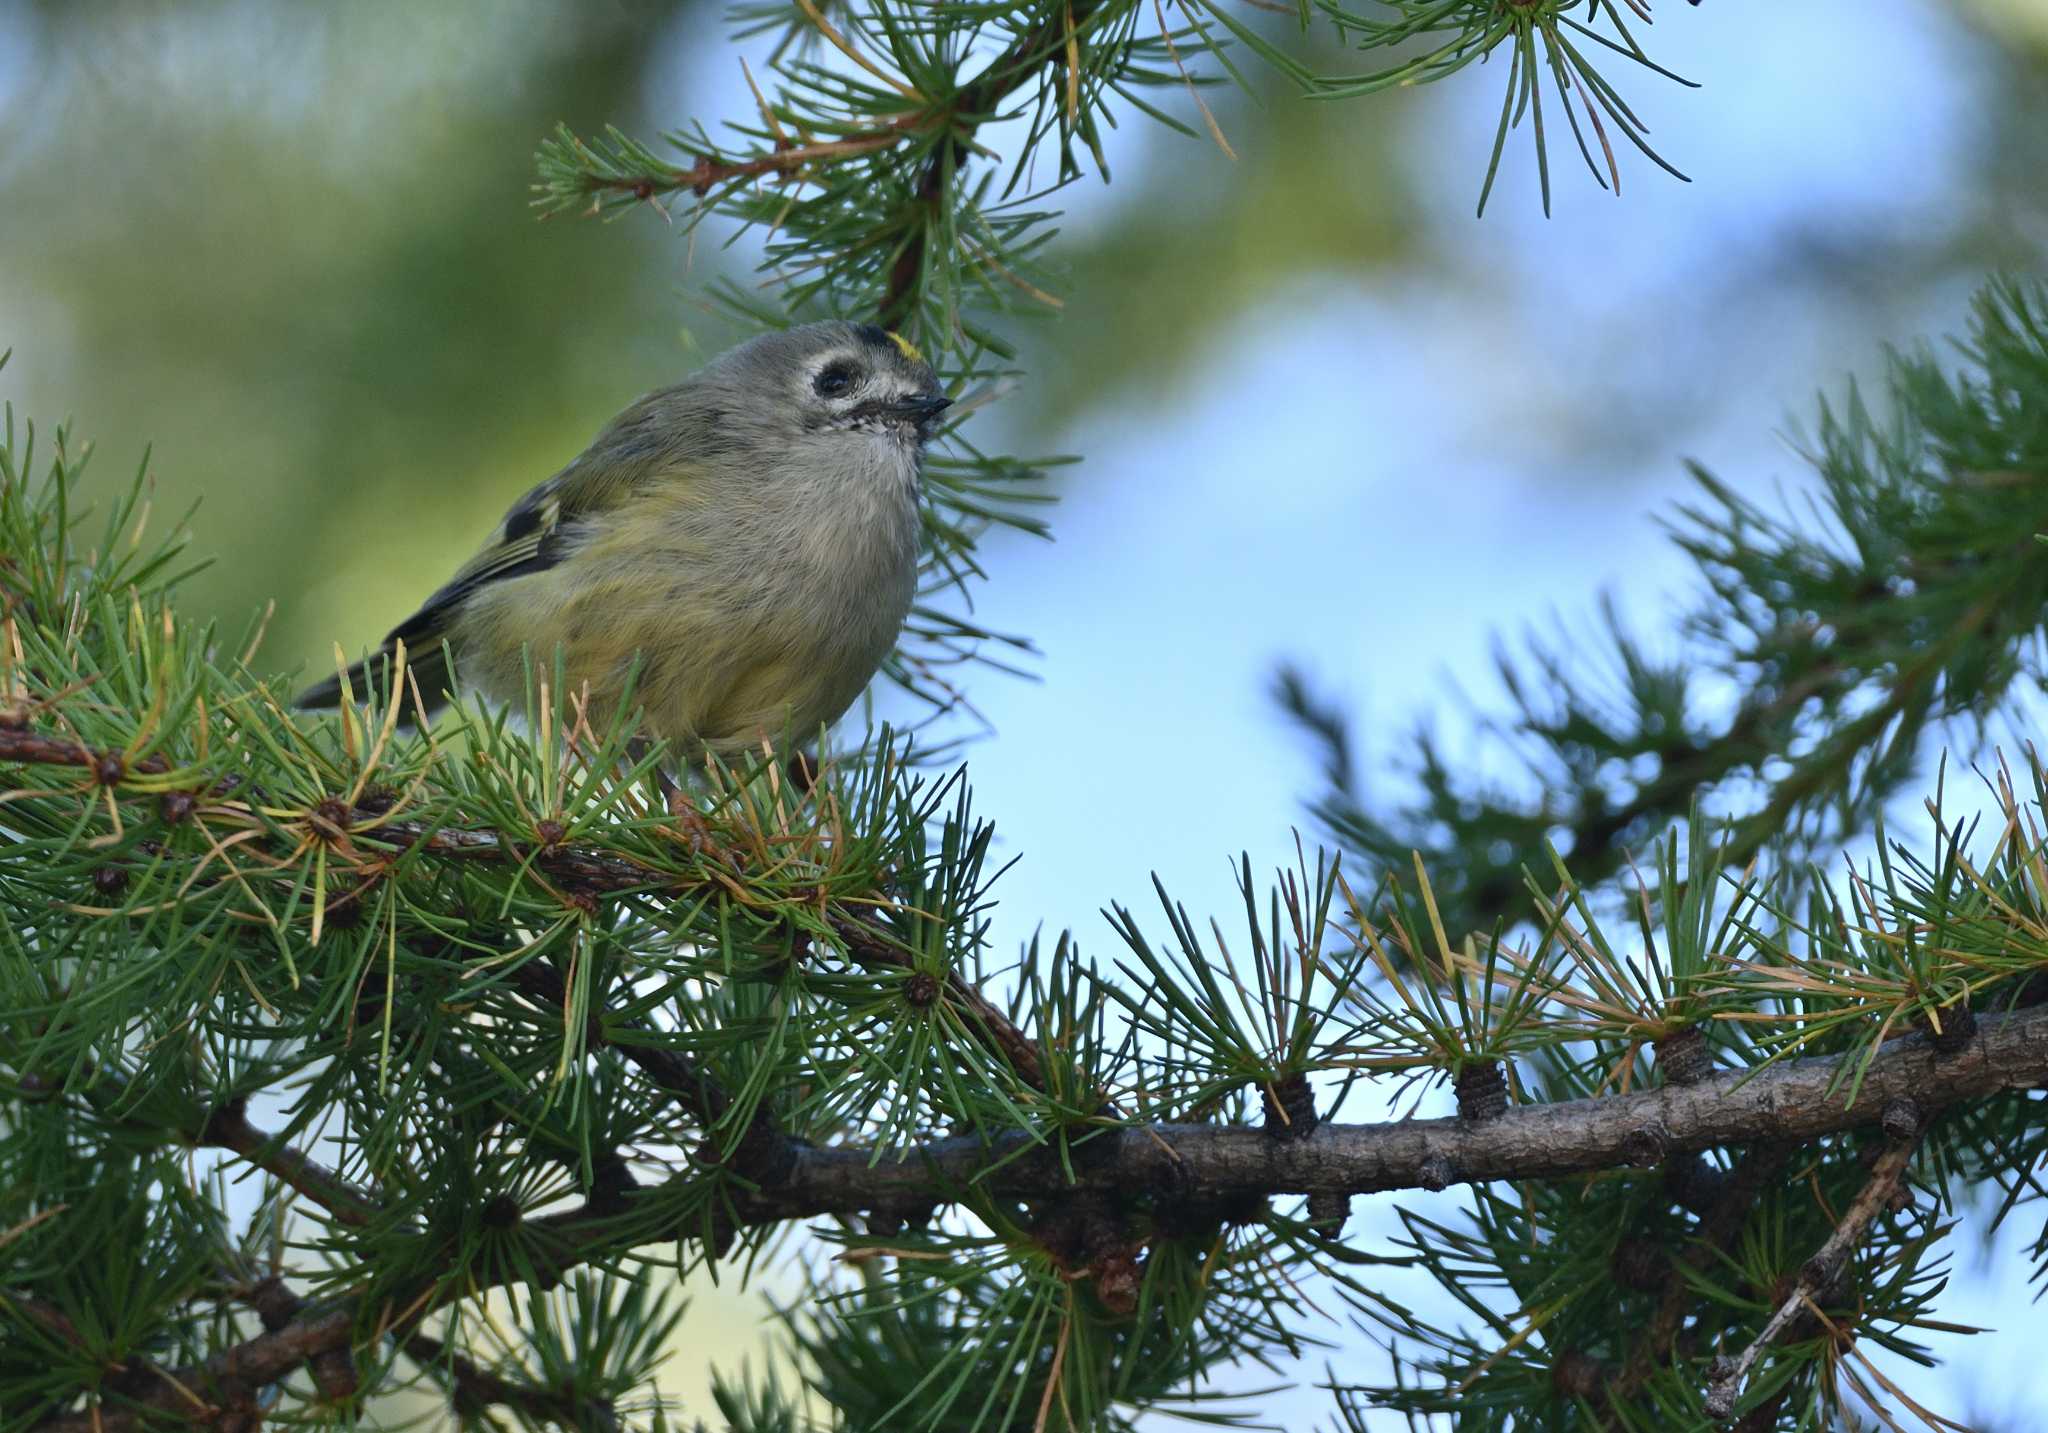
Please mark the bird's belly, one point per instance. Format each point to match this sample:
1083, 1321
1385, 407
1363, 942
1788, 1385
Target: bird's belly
717, 653
797, 666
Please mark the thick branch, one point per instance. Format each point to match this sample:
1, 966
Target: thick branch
1792, 1101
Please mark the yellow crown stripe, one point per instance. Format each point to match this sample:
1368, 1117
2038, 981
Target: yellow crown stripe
905, 347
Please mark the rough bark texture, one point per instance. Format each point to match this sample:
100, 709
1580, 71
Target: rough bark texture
1797, 1100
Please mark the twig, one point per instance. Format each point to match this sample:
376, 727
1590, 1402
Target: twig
954, 121
220, 1382
228, 1128
333, 1369
971, 107
997, 1031
1726, 1381
1718, 1230
33, 748
473, 1387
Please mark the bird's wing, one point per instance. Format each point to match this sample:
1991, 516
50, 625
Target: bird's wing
535, 535
540, 531
546, 525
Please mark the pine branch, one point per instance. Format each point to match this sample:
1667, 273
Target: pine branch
1819, 1273
708, 174
136, 1373
333, 1370
583, 873
228, 1128
573, 168
996, 1030
220, 1389
971, 107
762, 1149
1739, 1194
1915, 594
474, 1388
1795, 1100
109, 768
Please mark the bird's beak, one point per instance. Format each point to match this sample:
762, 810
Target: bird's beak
920, 409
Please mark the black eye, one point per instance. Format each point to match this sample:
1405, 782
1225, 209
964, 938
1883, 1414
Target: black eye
835, 380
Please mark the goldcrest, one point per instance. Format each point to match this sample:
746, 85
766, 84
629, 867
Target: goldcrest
742, 548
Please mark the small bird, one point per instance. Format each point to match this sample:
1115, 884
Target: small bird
749, 537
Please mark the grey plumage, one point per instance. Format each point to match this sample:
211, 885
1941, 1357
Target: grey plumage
750, 535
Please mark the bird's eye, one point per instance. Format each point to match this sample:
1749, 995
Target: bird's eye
834, 381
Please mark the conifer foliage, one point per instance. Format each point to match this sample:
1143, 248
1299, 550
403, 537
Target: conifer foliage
339, 1057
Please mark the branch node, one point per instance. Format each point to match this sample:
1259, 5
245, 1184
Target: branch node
1290, 1107
1117, 1276
502, 1212
1437, 1173
1328, 1211
1684, 1057
1958, 1026
227, 1125
1646, 1145
1901, 1118
332, 818
1482, 1091
611, 1184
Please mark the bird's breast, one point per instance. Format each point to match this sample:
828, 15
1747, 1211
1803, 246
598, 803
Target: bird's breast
810, 574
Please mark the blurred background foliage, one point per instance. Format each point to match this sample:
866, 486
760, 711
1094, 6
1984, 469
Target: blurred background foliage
291, 247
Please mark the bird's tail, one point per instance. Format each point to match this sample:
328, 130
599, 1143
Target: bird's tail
372, 677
